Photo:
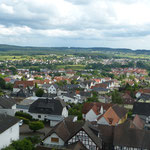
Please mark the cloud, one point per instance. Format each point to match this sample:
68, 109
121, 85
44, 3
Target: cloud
82, 22
6, 9
14, 31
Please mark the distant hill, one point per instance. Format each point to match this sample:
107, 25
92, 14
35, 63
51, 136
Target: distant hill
10, 48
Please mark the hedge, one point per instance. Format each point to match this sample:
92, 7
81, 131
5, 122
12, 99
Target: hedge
25, 120
22, 114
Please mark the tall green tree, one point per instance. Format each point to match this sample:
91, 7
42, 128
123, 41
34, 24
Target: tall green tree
116, 97
2, 83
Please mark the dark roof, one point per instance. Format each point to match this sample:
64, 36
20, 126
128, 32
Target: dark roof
7, 121
41, 147
47, 106
98, 89
131, 137
22, 106
76, 146
86, 94
106, 133
6, 102
120, 111
141, 108
67, 129
145, 96
71, 86
49, 85
138, 122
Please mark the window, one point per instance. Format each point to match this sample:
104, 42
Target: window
39, 116
55, 140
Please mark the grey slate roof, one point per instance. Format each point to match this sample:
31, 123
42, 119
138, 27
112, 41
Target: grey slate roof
145, 96
22, 107
47, 106
120, 111
49, 85
6, 103
71, 86
6, 122
141, 109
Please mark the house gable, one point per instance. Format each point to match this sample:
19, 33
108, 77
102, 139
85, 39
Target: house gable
84, 138
53, 139
52, 89
111, 117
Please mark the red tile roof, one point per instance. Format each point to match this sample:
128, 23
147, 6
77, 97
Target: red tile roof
138, 122
23, 83
89, 106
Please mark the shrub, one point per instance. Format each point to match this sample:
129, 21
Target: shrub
24, 144
36, 125
39, 92
22, 114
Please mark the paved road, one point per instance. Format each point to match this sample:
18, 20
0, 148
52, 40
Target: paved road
26, 132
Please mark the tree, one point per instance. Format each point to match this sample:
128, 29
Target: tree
24, 144
36, 85
36, 125
9, 86
13, 70
116, 97
39, 92
2, 83
61, 83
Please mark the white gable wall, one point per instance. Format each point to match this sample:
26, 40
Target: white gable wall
11, 134
47, 141
65, 112
52, 90
102, 121
15, 90
91, 116
67, 99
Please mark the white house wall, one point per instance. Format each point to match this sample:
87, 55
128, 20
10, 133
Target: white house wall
91, 116
47, 141
11, 134
13, 107
102, 121
68, 99
65, 112
15, 90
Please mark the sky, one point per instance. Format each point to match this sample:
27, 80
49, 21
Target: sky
76, 23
